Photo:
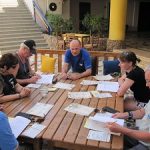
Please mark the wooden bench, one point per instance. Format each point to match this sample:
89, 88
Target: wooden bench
59, 53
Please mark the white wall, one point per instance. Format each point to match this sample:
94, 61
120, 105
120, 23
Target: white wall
29, 4
43, 5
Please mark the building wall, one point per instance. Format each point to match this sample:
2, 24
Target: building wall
43, 5
133, 14
97, 8
70, 9
66, 9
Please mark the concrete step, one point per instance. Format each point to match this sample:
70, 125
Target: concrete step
12, 7
19, 31
18, 24
9, 43
20, 34
14, 13
39, 37
4, 20
19, 27
11, 15
10, 47
23, 9
13, 21
8, 11
18, 18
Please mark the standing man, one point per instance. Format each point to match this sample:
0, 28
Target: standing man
79, 60
25, 74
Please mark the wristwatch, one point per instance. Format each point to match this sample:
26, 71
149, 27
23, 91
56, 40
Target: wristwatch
130, 115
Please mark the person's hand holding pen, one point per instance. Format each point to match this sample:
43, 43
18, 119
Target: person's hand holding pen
114, 127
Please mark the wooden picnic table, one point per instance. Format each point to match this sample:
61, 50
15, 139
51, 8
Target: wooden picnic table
66, 129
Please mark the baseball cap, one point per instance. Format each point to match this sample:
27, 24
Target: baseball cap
31, 45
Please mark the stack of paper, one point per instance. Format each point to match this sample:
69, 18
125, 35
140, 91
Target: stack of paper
103, 78
34, 130
45, 79
79, 95
103, 114
89, 82
98, 123
108, 86
18, 124
98, 136
101, 95
40, 109
36, 86
79, 109
64, 86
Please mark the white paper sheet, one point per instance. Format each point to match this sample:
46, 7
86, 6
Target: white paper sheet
108, 86
79, 95
105, 114
18, 124
101, 95
79, 109
40, 109
98, 136
99, 124
64, 86
103, 77
45, 79
89, 82
34, 130
36, 86
105, 119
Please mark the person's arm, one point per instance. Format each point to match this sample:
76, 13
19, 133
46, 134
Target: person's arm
7, 98
65, 70
137, 114
33, 79
121, 79
23, 91
8, 140
75, 76
136, 134
65, 67
125, 86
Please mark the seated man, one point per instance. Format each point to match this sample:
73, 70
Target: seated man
25, 74
7, 138
79, 60
140, 139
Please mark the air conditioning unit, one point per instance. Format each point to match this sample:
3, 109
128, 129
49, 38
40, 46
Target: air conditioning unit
55, 6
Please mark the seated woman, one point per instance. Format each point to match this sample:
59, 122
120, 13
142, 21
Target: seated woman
133, 78
9, 88
7, 138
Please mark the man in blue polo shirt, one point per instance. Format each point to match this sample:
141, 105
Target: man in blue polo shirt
79, 60
7, 138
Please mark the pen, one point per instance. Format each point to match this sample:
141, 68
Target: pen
113, 122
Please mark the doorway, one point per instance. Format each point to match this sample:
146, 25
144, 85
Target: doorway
84, 8
144, 20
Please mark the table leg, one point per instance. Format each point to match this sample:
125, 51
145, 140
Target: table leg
37, 144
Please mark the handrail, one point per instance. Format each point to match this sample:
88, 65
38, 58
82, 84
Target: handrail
40, 18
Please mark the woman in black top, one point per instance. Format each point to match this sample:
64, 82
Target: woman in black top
9, 88
134, 77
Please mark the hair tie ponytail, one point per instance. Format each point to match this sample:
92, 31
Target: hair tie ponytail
138, 60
